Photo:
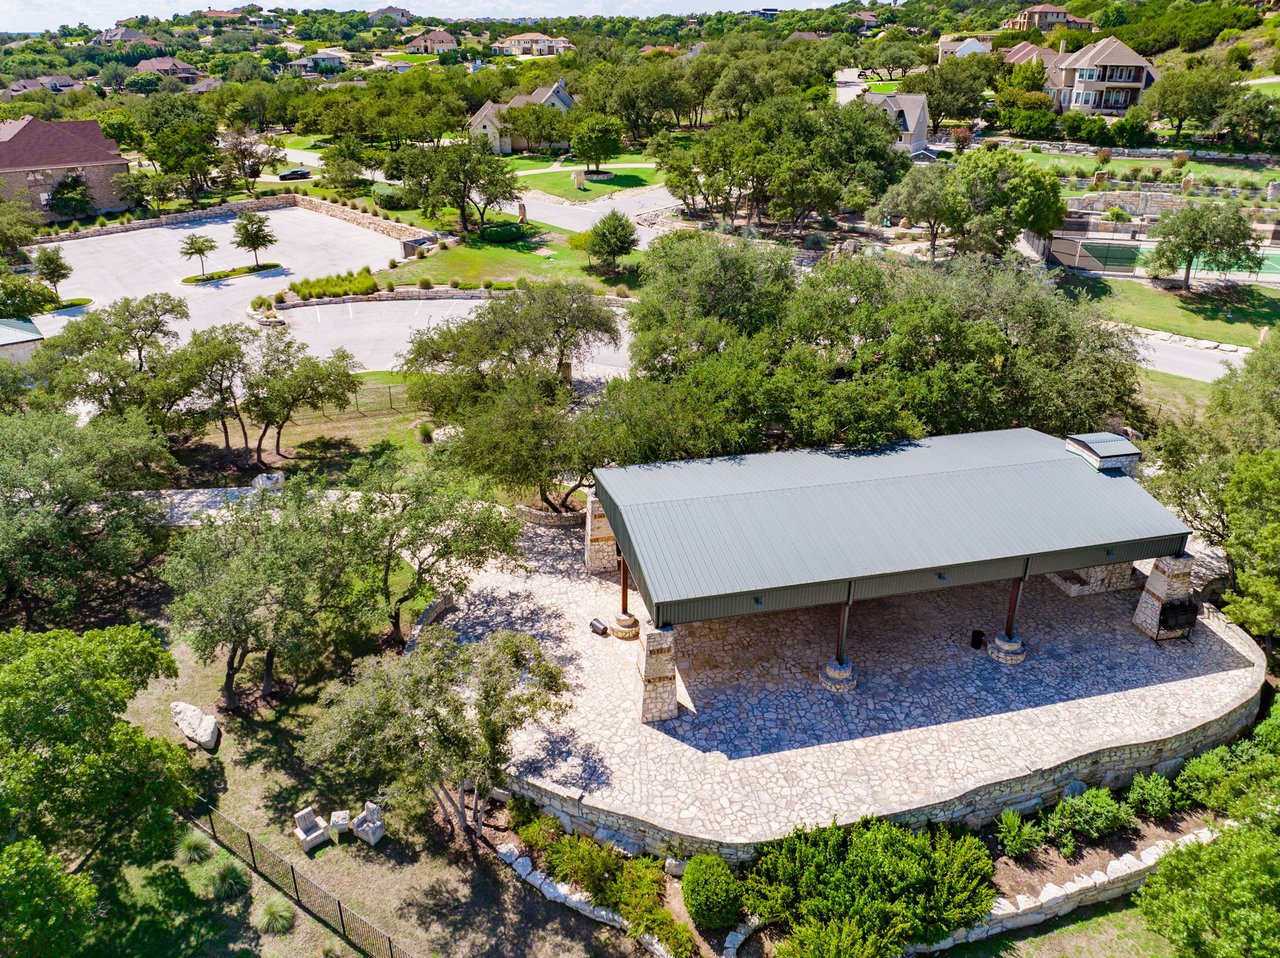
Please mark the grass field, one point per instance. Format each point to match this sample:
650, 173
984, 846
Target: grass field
298, 141
1223, 172
1173, 395
1237, 315
1113, 930
413, 57
530, 161
1271, 89
883, 86
476, 261
560, 183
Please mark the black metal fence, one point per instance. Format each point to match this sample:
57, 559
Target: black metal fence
357, 930
366, 401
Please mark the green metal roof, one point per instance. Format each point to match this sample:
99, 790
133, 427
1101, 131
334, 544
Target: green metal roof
728, 536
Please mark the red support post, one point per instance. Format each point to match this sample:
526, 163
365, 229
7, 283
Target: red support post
1015, 599
624, 586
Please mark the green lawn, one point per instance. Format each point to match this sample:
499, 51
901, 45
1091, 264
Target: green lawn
1223, 172
1271, 89
296, 141
475, 261
883, 86
560, 183
1112, 930
1238, 318
1170, 394
413, 57
530, 161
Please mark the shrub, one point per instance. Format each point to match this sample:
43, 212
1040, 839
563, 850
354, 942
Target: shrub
504, 284
1151, 796
1208, 181
1115, 214
454, 282
278, 298
541, 832
621, 291
1103, 156
502, 233
675, 937
1091, 815
392, 263
276, 916
1246, 779
1267, 735
394, 198
424, 433
589, 865
488, 284
193, 848
389, 286
424, 282
815, 242
468, 285
1016, 835
1130, 174
636, 890
848, 937
712, 895
1035, 147
421, 252
229, 880
521, 809
1079, 172
909, 887
1200, 775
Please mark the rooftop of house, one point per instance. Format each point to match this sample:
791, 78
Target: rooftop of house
156, 64
32, 144
13, 332
1107, 52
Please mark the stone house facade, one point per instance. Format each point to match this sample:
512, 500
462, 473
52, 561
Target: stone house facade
531, 45
1045, 17
37, 155
435, 43
488, 119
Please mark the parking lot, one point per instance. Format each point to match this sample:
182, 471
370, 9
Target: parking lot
309, 245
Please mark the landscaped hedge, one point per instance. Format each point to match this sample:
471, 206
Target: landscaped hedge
876, 883
712, 895
502, 233
347, 284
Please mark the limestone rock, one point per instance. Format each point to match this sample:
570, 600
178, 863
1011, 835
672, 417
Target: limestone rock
1074, 787
522, 866
674, 867
195, 725
508, 852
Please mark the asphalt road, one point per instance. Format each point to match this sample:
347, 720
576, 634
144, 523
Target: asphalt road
1205, 365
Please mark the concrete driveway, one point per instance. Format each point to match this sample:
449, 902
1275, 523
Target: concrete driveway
309, 245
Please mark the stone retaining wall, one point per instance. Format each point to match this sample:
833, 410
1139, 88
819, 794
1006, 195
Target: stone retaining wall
413, 292
1113, 767
551, 520
276, 201
1122, 876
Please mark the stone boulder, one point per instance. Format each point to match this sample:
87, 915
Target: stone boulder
195, 725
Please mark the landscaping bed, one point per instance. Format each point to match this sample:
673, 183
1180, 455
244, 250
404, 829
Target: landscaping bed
229, 273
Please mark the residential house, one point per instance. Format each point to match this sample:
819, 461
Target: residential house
18, 339
808, 35
764, 13
434, 43
37, 155
169, 67
207, 85
530, 45
1026, 52
869, 20
960, 47
1104, 77
322, 62
54, 84
488, 119
910, 112
400, 15
1045, 17
109, 38
649, 48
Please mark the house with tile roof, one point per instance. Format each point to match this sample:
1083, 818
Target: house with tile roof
434, 43
1045, 17
1104, 77
37, 155
487, 121
1025, 52
530, 45
54, 84
400, 15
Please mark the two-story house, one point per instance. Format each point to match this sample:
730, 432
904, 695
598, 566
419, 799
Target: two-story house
400, 15
169, 67
1045, 17
530, 45
488, 119
1104, 77
960, 47
434, 43
37, 155
910, 113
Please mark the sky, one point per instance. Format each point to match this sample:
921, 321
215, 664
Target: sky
29, 16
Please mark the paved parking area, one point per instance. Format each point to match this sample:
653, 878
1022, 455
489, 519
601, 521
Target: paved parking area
309, 245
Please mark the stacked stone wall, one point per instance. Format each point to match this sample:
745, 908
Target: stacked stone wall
601, 547
1113, 767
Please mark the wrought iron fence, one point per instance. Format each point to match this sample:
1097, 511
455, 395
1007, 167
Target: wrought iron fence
359, 932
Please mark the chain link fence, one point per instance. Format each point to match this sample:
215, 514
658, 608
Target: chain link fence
359, 932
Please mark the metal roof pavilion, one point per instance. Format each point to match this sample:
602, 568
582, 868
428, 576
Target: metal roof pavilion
709, 538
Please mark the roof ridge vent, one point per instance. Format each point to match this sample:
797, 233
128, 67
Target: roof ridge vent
1106, 451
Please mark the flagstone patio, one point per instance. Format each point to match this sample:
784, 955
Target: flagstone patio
934, 729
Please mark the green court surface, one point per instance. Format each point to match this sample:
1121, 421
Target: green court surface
1120, 256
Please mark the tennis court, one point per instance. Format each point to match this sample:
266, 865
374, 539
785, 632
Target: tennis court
1126, 257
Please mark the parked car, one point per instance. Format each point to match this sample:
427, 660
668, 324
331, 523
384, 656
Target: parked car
296, 175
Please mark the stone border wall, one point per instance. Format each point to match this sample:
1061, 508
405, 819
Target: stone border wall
275, 201
551, 520
1111, 766
413, 292
1122, 876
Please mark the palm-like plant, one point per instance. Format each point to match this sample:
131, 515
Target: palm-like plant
197, 245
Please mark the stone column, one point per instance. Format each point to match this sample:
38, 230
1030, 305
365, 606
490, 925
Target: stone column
657, 677
1170, 581
601, 552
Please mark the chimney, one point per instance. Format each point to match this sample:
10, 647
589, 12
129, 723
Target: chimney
1062, 46
1106, 451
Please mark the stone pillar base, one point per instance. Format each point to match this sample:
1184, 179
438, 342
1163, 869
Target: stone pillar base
656, 662
838, 677
1006, 650
625, 627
